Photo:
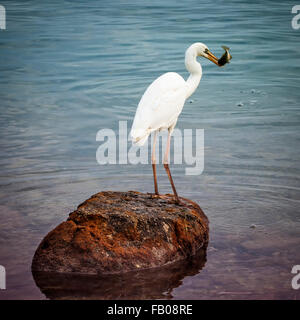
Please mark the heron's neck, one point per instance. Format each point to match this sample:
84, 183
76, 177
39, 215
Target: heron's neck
195, 71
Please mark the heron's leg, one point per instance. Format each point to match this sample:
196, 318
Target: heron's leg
166, 165
153, 161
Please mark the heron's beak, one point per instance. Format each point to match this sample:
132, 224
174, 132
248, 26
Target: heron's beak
212, 58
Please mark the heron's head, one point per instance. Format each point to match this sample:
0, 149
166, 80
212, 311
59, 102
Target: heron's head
203, 51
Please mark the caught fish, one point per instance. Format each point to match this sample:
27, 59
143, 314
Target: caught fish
226, 57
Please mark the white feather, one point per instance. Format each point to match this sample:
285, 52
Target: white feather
159, 107
163, 100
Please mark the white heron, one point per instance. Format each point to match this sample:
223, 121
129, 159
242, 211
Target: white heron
162, 103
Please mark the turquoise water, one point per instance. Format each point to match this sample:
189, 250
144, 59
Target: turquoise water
70, 68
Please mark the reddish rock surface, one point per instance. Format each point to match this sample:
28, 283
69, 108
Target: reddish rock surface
114, 232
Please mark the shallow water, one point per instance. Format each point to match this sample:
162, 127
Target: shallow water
70, 68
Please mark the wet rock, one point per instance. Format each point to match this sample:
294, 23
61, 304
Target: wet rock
156, 283
115, 232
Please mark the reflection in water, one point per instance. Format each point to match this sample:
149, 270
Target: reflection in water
85, 67
156, 283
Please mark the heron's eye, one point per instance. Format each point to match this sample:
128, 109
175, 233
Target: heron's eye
206, 50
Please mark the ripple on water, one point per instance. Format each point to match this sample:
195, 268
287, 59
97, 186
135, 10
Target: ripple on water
69, 70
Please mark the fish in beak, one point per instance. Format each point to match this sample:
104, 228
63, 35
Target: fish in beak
226, 57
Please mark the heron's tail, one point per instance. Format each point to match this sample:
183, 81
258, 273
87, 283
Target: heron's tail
139, 137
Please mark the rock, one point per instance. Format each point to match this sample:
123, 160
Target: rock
115, 232
155, 283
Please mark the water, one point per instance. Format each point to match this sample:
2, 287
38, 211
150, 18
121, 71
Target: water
70, 68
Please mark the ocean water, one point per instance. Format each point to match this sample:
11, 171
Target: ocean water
71, 68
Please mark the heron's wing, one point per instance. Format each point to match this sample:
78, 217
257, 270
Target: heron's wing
160, 105
163, 88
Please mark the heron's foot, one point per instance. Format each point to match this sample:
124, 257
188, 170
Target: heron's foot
154, 195
178, 202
